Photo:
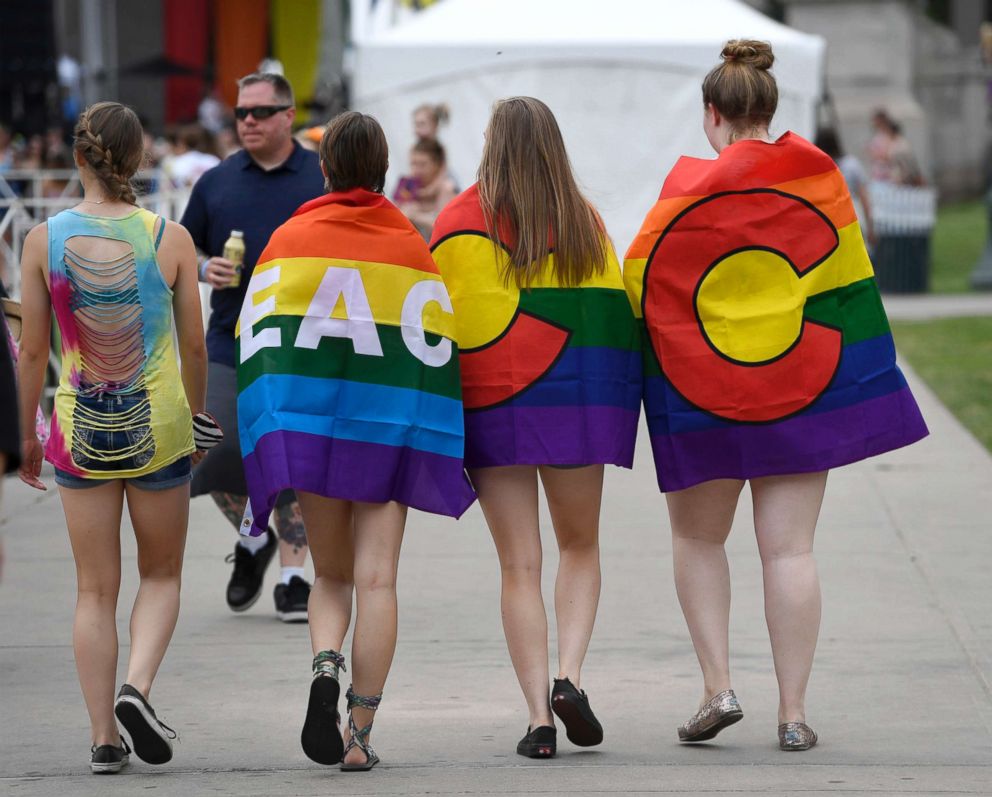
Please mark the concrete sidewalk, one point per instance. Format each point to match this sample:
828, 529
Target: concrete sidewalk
930, 306
901, 693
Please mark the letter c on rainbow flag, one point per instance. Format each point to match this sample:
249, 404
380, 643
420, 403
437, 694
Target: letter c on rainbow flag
723, 304
503, 350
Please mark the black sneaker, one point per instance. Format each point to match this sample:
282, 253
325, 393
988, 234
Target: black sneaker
152, 739
249, 571
292, 600
542, 742
572, 707
105, 759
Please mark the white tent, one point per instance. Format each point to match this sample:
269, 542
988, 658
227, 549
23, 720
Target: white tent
622, 76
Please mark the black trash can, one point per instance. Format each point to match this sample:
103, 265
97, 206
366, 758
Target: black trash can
902, 263
904, 219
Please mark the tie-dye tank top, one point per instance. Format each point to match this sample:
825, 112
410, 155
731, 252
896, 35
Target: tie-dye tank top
120, 407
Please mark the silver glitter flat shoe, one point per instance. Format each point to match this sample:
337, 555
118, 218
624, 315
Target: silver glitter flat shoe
795, 736
720, 711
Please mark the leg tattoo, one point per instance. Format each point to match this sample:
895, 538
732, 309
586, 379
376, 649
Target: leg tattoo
233, 507
289, 524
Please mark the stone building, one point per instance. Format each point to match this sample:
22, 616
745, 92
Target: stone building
921, 61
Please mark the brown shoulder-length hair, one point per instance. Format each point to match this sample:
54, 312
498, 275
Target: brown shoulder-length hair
354, 153
528, 191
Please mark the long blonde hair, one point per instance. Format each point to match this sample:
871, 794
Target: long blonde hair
527, 189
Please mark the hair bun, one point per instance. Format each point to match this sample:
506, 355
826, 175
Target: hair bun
748, 52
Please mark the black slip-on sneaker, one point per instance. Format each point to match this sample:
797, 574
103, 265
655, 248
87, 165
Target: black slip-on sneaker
573, 709
150, 737
291, 600
245, 584
106, 759
542, 742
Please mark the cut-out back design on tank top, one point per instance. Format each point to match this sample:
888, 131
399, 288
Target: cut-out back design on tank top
120, 409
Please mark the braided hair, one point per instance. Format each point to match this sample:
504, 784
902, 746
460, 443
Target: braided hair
109, 137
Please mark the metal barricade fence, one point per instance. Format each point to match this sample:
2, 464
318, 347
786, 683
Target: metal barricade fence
23, 204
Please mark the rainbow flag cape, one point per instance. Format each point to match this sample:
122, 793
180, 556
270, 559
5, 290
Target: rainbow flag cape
767, 350
348, 383
550, 375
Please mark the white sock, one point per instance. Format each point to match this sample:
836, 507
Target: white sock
254, 544
289, 572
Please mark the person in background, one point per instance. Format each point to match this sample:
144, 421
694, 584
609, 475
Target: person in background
890, 153
33, 154
55, 140
227, 142
424, 193
212, 113
828, 140
427, 120
309, 137
121, 283
6, 149
254, 190
55, 187
192, 156
10, 440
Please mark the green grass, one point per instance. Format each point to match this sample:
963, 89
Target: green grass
954, 356
958, 240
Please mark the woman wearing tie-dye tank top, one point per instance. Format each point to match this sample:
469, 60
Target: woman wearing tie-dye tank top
120, 281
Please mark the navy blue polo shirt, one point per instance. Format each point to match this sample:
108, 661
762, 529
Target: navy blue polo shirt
238, 194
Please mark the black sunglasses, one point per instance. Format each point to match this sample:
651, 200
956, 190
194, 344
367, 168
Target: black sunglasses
259, 111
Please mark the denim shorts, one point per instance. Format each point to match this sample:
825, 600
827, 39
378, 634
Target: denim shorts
112, 432
178, 473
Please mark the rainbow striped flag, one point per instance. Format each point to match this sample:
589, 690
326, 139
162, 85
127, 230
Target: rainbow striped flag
550, 375
348, 382
767, 350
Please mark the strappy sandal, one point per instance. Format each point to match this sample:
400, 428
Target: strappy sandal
321, 735
360, 738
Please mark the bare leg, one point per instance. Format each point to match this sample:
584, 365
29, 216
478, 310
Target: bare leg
231, 506
160, 519
332, 547
701, 518
292, 535
378, 536
508, 496
574, 498
93, 516
786, 509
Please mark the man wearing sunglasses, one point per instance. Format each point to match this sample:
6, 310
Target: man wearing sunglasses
254, 190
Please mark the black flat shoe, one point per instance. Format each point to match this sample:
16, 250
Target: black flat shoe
150, 737
542, 742
321, 735
573, 709
106, 759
